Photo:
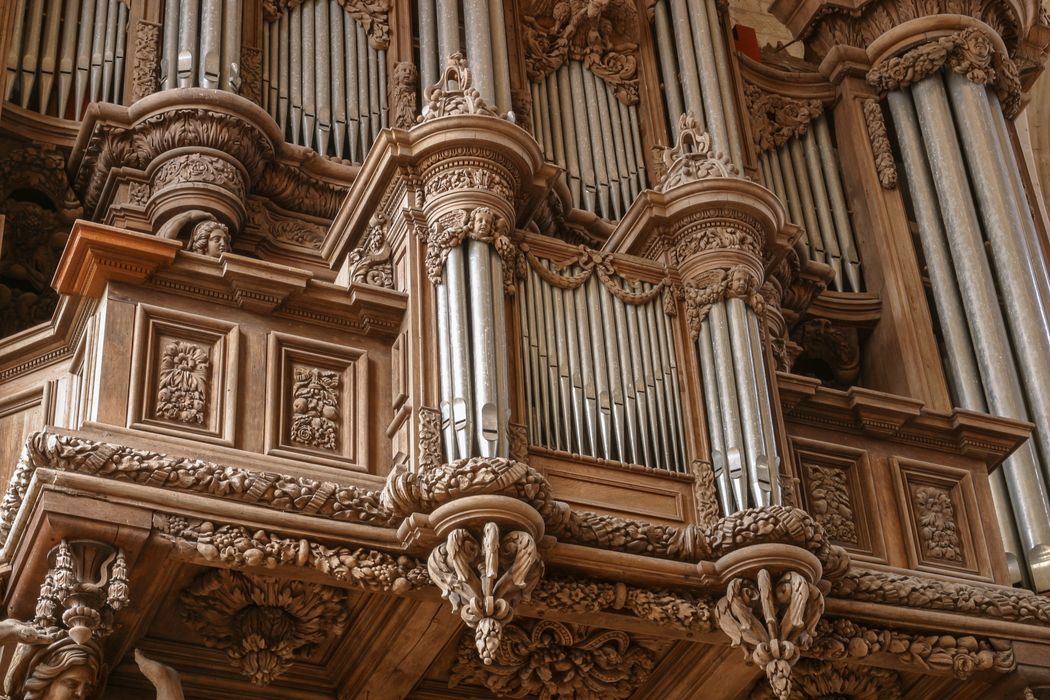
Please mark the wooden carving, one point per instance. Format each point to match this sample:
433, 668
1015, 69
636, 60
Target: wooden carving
880, 144
481, 224
829, 501
819, 680
486, 580
370, 263
211, 238
604, 34
372, 15
691, 159
775, 119
251, 74
403, 94
773, 624
938, 530
454, 93
145, 76
552, 659
837, 347
182, 389
262, 624
705, 493
315, 408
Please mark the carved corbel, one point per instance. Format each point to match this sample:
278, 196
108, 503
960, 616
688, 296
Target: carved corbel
486, 580
773, 623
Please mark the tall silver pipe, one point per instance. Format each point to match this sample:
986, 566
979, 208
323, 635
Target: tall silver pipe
538, 373
459, 333
568, 117
665, 49
712, 405
624, 121
669, 359
690, 76
544, 364
283, 67
87, 19
1019, 284
728, 401
661, 422
598, 136
613, 358
587, 367
483, 346
556, 115
574, 328
839, 210
609, 146
169, 60
599, 330
49, 55
622, 141
336, 62
230, 70
384, 108
543, 126
98, 48
478, 31
109, 49
756, 460
374, 89
627, 353
757, 354
636, 140
559, 366
445, 371
428, 43
500, 353
584, 125
14, 49
962, 366
323, 82
1002, 387
353, 89
809, 207
364, 83
295, 52
780, 161
68, 54
652, 430
311, 46
500, 60
31, 47
448, 30
725, 82
824, 217
211, 43
714, 105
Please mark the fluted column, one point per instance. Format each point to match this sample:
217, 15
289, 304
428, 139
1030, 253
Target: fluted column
947, 98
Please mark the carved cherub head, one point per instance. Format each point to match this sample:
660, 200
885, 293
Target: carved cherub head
210, 238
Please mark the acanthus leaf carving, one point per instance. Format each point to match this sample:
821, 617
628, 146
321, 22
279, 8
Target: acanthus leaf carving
691, 159
772, 623
604, 35
776, 119
370, 263
822, 680
454, 93
145, 75
484, 581
559, 659
262, 624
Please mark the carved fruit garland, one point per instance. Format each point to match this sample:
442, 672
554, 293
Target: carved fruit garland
315, 408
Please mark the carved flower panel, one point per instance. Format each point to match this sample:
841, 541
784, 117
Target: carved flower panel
316, 399
837, 488
941, 533
183, 378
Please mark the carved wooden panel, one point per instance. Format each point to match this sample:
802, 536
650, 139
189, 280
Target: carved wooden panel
317, 400
941, 526
837, 487
184, 375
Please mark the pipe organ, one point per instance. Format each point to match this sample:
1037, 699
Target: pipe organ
589, 320
63, 55
325, 78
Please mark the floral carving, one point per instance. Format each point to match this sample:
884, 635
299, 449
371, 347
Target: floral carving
251, 74
480, 224
773, 624
705, 493
403, 97
429, 438
603, 34
454, 93
194, 168
341, 502
552, 659
935, 519
145, 75
238, 546
185, 369
880, 144
821, 680
970, 53
485, 581
691, 159
776, 119
370, 262
262, 624
829, 501
845, 640
315, 408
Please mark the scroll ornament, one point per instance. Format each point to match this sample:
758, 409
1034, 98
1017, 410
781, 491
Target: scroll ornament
480, 224
691, 159
970, 53
370, 263
603, 34
773, 624
454, 93
775, 119
485, 581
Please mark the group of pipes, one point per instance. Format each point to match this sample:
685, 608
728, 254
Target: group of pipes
739, 412
804, 173
584, 128
694, 63
323, 83
990, 284
202, 44
601, 375
63, 49
472, 353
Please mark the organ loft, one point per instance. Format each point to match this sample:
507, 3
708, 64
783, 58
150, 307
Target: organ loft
436, 349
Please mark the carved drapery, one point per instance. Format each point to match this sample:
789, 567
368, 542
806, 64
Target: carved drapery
970, 53
603, 35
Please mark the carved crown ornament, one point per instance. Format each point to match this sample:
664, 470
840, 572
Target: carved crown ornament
970, 53
454, 93
603, 34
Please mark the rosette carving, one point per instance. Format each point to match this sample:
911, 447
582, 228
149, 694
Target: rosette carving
603, 34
